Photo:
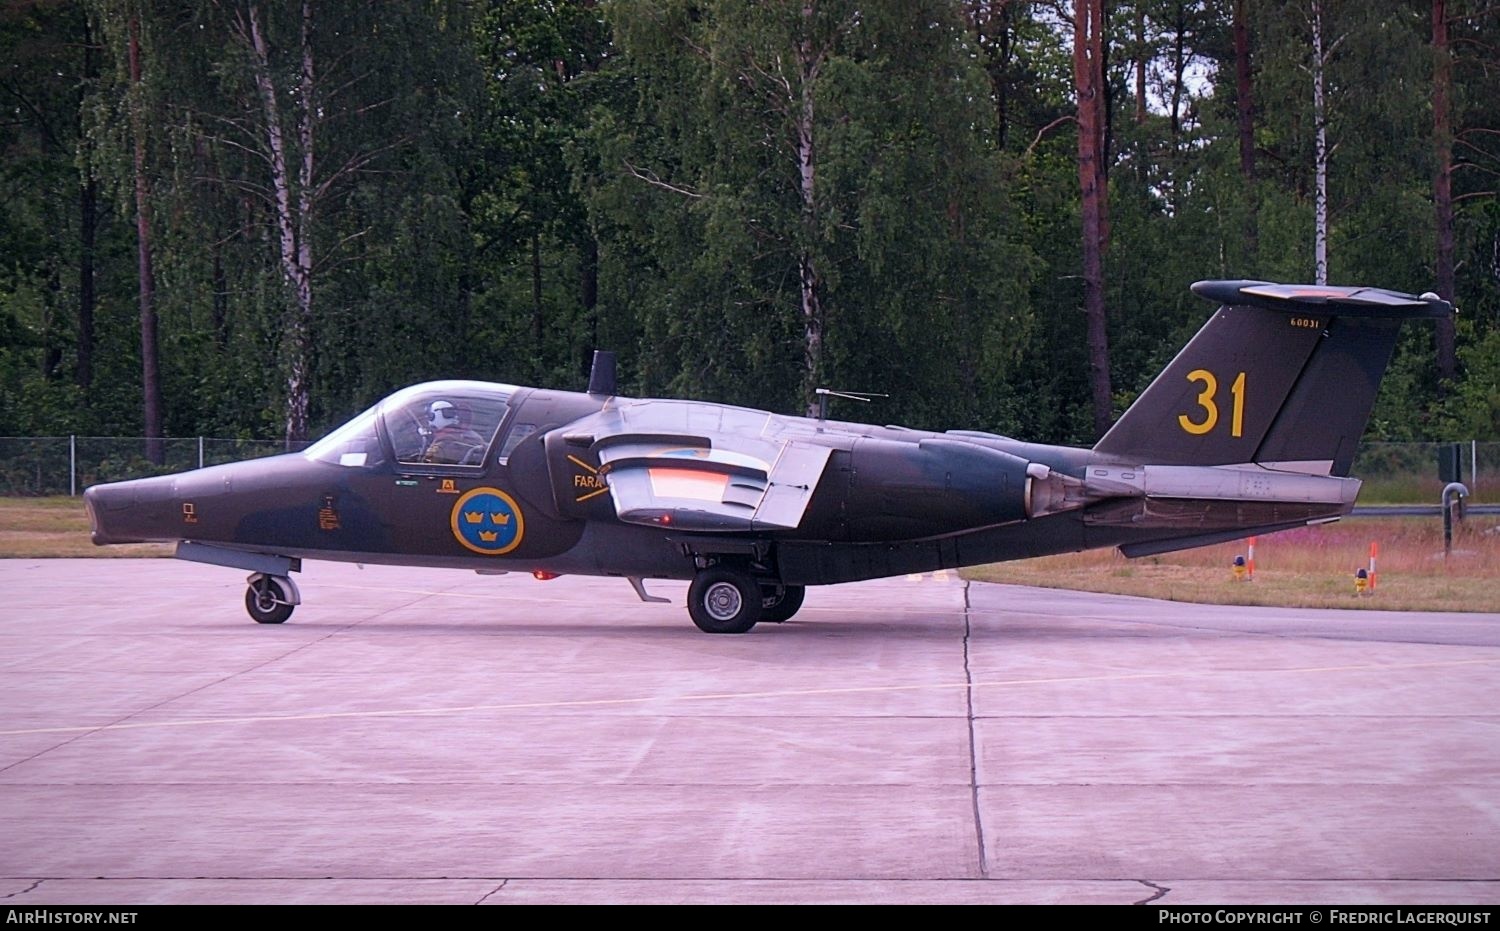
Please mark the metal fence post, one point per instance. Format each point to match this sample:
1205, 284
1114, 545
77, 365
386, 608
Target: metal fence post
72, 465
200, 452
1453, 509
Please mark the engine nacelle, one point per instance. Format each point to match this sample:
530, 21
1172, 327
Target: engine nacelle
904, 490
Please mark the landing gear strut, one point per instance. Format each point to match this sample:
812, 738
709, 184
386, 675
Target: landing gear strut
271, 598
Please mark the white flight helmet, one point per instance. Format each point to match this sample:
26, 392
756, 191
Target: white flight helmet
442, 415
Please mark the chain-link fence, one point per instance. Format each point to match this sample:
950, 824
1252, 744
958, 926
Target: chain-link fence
63, 465
1393, 473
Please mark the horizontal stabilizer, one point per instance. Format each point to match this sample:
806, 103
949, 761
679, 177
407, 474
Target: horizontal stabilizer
1344, 301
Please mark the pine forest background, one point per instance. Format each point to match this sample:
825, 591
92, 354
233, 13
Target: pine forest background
245, 218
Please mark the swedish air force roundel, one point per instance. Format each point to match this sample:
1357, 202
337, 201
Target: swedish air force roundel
488, 521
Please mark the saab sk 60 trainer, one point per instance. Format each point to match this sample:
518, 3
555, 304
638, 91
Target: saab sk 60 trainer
1250, 429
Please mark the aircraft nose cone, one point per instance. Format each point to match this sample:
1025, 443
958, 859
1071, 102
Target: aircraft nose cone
127, 512
101, 501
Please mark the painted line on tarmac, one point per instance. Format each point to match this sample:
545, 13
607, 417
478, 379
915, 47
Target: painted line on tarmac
476, 596
936, 578
726, 696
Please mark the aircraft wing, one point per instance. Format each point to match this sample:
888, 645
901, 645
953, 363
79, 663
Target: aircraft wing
701, 467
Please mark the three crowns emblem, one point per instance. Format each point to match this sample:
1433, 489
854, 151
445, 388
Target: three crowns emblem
487, 521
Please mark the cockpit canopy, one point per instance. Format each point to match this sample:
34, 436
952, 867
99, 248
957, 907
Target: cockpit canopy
439, 423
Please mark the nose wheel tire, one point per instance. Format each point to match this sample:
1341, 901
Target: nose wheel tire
267, 602
724, 601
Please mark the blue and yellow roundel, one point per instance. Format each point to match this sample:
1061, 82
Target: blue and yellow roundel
488, 521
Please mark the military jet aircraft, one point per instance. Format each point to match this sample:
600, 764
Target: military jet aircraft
1250, 429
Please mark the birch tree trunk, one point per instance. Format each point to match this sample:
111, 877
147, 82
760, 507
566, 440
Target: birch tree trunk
1320, 156
809, 63
538, 320
299, 376
292, 225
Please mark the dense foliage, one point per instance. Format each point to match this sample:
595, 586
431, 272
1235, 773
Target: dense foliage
313, 204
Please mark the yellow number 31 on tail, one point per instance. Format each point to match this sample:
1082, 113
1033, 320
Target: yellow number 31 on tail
1211, 408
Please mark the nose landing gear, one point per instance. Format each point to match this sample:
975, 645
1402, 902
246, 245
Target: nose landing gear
271, 598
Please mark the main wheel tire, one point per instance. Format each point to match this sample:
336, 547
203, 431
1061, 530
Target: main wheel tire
724, 601
778, 607
266, 603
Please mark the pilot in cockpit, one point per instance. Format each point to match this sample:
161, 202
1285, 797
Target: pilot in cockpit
451, 437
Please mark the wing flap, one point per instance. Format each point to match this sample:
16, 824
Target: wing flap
792, 483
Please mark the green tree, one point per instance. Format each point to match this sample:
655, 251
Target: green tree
48, 218
815, 187
539, 293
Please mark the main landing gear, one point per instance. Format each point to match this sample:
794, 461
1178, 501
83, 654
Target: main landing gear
271, 598
725, 600
779, 602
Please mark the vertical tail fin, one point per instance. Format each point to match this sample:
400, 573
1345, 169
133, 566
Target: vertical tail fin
1281, 374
